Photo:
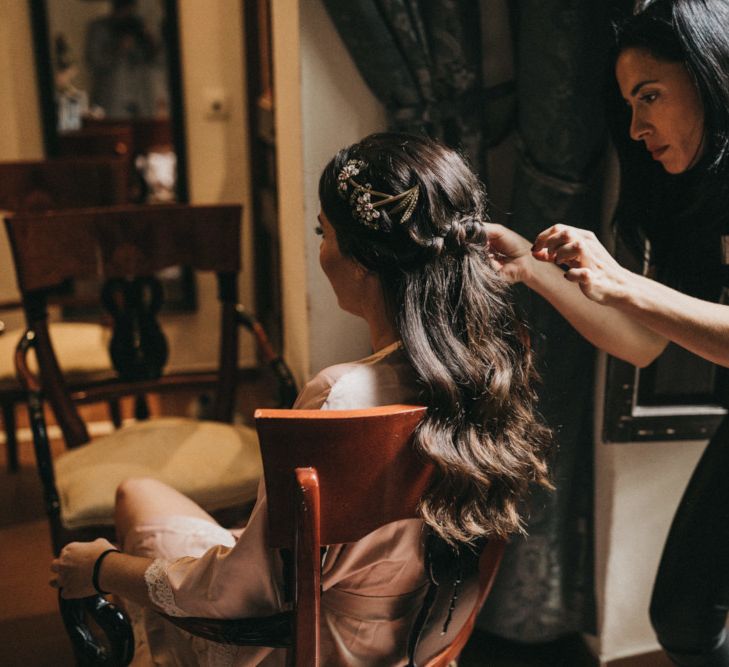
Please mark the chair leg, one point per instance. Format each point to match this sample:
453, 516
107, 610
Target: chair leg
11, 441
115, 412
141, 408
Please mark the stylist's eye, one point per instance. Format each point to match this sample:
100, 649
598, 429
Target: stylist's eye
649, 97
318, 230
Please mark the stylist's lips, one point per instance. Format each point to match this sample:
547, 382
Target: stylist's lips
656, 153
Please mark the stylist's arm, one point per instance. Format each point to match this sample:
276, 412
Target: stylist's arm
605, 327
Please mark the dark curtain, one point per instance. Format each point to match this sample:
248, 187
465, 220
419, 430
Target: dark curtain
545, 588
423, 61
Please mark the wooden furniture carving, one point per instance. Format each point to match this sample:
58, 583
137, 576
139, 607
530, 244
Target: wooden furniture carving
332, 477
57, 184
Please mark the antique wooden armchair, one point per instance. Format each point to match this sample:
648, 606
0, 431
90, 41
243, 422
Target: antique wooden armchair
214, 462
333, 477
41, 185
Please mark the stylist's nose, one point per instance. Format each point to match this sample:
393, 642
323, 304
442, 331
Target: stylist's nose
639, 127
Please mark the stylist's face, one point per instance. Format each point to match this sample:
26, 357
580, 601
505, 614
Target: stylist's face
667, 114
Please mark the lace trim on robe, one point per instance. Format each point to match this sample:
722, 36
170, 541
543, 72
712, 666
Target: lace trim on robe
158, 588
221, 655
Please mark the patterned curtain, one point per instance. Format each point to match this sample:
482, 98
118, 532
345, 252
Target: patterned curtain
423, 61
545, 588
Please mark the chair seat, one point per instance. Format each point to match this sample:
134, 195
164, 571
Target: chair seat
215, 464
82, 349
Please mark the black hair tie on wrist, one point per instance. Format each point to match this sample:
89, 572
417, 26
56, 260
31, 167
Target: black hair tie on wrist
97, 569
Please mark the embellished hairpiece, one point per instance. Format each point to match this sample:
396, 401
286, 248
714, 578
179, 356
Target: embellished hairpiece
365, 201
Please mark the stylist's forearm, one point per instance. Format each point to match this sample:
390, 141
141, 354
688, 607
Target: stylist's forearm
606, 327
701, 327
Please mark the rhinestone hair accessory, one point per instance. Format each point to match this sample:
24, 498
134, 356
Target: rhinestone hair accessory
365, 201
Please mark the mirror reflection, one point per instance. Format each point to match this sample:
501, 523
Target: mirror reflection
111, 87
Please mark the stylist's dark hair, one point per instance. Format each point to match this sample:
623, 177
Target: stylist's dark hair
653, 204
457, 326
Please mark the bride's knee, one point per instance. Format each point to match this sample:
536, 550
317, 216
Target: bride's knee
134, 489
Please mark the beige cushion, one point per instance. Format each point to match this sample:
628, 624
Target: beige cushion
215, 464
81, 349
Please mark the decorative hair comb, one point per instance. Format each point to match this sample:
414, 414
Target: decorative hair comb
365, 201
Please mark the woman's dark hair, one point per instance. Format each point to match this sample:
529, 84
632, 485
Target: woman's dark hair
454, 317
653, 204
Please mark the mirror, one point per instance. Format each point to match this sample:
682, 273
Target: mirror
110, 84
678, 397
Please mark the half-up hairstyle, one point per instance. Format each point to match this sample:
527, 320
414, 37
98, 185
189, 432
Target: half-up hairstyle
453, 314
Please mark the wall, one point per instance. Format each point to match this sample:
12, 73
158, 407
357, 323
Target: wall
316, 78
637, 489
212, 62
20, 138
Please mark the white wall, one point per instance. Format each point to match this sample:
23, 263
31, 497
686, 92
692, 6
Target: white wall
336, 109
637, 490
20, 136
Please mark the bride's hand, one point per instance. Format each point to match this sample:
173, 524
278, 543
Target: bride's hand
74, 568
510, 253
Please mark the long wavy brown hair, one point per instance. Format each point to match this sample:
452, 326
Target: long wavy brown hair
454, 315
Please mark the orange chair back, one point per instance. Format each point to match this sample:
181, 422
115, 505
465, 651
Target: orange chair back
332, 477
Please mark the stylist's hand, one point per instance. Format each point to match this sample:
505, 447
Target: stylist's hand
509, 252
589, 263
74, 568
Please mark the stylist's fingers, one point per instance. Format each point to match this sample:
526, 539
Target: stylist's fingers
570, 253
550, 236
587, 282
582, 276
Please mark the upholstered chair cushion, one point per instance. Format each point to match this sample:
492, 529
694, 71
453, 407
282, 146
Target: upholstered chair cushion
82, 349
215, 464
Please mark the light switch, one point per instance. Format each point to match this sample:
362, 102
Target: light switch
216, 104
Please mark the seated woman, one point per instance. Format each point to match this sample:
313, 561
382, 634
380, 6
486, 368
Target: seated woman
403, 226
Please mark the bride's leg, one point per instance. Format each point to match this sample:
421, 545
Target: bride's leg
140, 500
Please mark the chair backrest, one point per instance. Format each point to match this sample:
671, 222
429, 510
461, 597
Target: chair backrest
332, 477
41, 185
124, 247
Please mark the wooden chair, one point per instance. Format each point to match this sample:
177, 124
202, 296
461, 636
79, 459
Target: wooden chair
40, 185
126, 247
332, 477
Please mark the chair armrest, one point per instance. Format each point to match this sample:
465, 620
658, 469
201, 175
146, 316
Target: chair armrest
41, 443
28, 380
275, 631
117, 650
286, 383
